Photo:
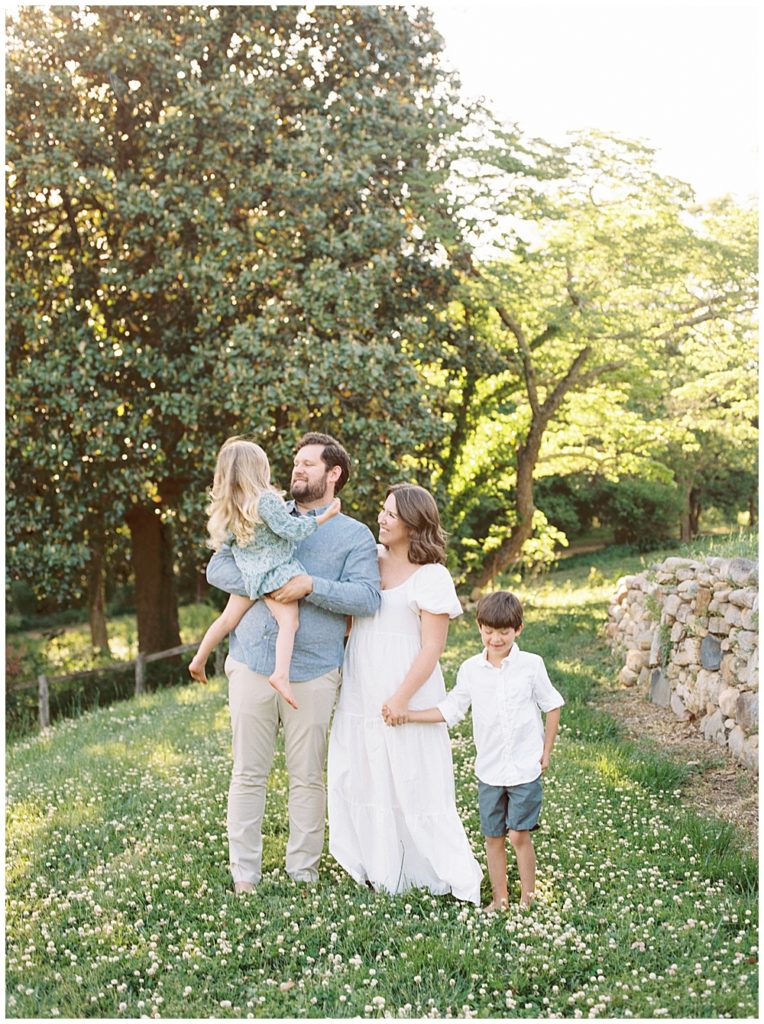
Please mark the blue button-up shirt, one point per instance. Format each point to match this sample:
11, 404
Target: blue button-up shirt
341, 557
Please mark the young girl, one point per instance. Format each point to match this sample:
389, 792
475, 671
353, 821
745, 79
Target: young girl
248, 513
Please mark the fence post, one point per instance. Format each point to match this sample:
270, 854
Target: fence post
140, 674
43, 701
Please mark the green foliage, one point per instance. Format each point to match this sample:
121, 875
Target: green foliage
641, 512
218, 222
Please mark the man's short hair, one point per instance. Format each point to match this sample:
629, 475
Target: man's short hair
500, 610
333, 454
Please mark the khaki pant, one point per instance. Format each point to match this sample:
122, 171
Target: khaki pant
256, 711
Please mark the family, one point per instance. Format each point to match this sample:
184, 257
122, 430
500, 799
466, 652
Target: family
318, 609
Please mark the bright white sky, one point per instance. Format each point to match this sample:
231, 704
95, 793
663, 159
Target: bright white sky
679, 76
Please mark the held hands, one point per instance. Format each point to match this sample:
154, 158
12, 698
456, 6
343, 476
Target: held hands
395, 711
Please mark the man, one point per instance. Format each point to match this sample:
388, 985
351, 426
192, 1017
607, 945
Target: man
342, 579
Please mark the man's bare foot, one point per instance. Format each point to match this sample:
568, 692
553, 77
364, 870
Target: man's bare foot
494, 907
281, 685
196, 668
241, 887
527, 904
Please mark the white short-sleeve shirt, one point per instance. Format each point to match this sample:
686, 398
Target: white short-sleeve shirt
506, 714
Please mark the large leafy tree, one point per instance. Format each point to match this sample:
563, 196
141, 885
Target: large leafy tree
219, 220
608, 275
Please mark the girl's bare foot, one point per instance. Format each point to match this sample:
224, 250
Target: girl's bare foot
494, 906
241, 887
281, 685
196, 668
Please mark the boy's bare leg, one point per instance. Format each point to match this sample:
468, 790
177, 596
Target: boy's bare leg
496, 856
526, 865
287, 618
228, 619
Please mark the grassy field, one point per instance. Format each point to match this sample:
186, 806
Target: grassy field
118, 901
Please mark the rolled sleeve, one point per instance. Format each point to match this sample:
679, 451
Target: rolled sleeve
546, 696
457, 702
357, 591
224, 574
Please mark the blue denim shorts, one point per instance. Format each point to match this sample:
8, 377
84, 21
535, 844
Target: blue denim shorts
509, 807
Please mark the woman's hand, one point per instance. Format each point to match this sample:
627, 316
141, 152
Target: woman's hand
394, 711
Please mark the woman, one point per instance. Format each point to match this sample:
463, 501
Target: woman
392, 804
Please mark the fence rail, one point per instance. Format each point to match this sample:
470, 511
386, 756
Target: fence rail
43, 682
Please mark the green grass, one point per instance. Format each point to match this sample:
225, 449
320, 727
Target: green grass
118, 899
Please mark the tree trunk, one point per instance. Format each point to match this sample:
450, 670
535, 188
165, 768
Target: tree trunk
753, 511
695, 510
522, 531
155, 597
685, 522
99, 636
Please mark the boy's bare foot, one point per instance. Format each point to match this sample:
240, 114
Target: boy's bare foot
281, 685
196, 668
494, 907
241, 887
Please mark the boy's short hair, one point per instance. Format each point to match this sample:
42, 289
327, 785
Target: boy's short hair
500, 610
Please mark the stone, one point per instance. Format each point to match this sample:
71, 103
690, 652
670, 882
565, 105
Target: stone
751, 753
742, 572
747, 712
677, 632
708, 685
677, 706
671, 605
719, 566
702, 600
750, 619
736, 743
712, 727
635, 660
674, 563
688, 653
685, 576
743, 598
719, 626
644, 678
655, 649
660, 689
733, 615
683, 612
710, 653
728, 696
747, 640
627, 677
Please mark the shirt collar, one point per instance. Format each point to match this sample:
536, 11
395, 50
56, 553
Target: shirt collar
291, 507
485, 663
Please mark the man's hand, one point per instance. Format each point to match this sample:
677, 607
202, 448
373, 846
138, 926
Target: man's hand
544, 762
294, 589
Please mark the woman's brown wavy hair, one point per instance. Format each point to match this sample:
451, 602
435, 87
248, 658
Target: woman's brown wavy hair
416, 507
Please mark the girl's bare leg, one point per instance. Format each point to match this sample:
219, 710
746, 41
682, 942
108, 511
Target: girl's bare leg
228, 619
287, 617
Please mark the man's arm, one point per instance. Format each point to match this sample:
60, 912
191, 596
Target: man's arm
357, 591
550, 733
224, 573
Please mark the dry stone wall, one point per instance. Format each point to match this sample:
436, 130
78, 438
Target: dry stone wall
688, 633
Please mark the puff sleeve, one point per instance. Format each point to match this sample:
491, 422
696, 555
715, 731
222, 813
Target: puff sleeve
432, 590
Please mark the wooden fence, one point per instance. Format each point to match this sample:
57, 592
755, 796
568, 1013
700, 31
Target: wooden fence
44, 682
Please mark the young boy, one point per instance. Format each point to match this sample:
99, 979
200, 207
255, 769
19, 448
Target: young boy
507, 690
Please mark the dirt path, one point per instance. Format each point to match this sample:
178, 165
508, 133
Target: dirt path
720, 787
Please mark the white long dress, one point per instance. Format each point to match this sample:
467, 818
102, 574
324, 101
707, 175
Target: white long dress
391, 796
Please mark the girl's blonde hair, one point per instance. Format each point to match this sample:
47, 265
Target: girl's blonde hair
242, 474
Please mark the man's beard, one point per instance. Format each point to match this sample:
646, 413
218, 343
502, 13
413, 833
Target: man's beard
303, 490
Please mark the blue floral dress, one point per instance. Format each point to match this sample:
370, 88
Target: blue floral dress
267, 562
